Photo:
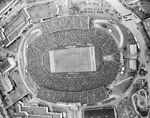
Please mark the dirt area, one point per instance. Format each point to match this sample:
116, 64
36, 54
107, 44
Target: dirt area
121, 88
15, 45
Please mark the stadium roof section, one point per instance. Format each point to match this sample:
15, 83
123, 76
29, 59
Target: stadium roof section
133, 51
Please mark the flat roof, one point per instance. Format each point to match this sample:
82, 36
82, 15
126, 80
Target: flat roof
72, 60
147, 25
4, 66
100, 113
15, 22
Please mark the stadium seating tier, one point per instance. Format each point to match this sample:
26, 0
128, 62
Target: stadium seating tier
84, 87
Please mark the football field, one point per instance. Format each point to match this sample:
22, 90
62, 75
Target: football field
72, 60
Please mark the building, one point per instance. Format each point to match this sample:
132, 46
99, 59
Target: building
139, 13
133, 55
146, 23
5, 84
11, 10
133, 51
34, 112
13, 28
100, 113
133, 64
7, 65
145, 6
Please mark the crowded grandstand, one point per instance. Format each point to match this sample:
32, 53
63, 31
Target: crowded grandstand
67, 61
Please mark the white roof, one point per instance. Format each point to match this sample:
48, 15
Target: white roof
6, 84
12, 64
133, 49
133, 64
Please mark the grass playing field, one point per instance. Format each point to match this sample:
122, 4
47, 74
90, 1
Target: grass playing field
72, 60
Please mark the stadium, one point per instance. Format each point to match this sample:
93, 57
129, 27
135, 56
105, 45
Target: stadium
70, 60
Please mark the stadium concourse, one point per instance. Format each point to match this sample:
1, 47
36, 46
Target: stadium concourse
70, 39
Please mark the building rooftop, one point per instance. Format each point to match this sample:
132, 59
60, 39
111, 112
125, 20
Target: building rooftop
6, 65
5, 84
36, 111
100, 113
14, 26
146, 23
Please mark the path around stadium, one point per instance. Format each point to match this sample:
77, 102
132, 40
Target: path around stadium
20, 59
